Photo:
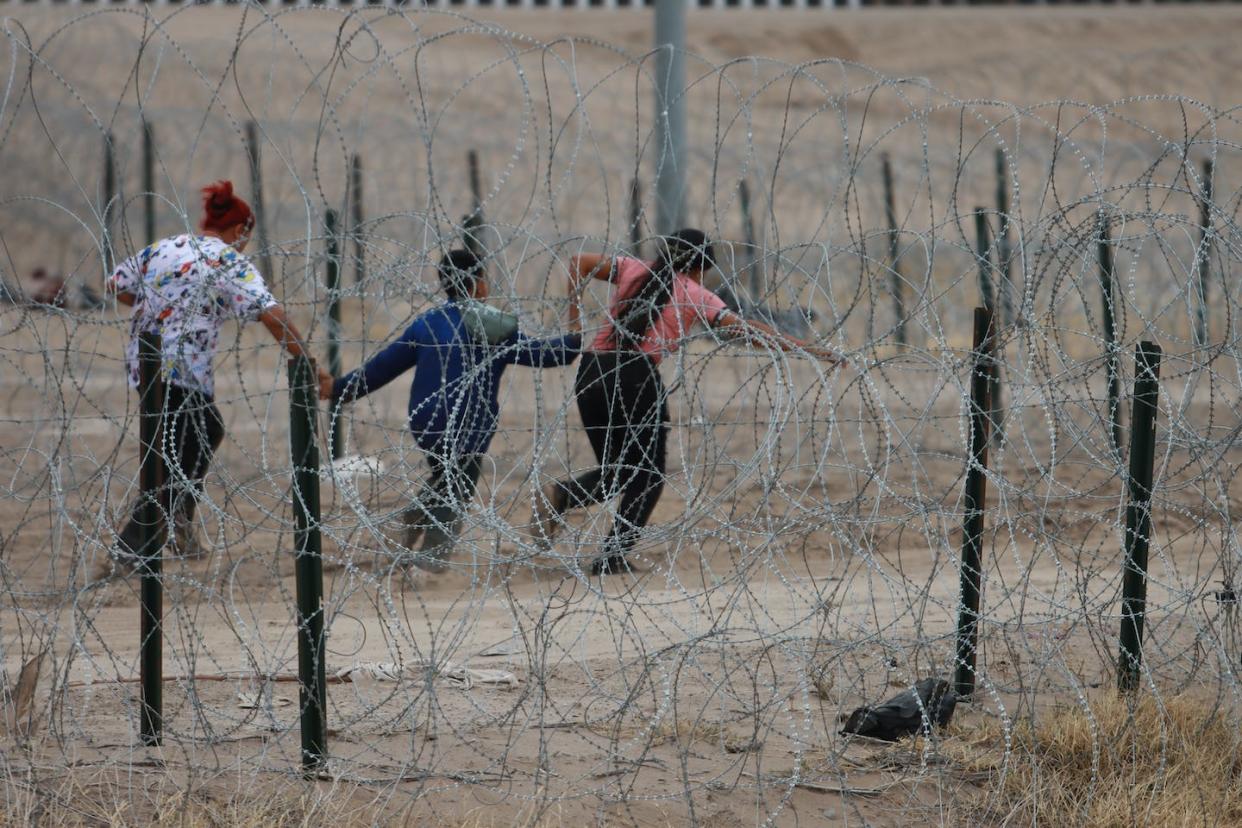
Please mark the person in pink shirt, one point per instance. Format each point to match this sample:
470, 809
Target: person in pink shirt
620, 394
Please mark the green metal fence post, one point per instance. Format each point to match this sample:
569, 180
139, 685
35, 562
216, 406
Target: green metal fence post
356, 219
148, 181
896, 283
975, 502
1111, 353
308, 563
256, 195
987, 292
754, 266
636, 230
1138, 512
336, 432
1004, 247
1203, 259
109, 206
472, 224
153, 522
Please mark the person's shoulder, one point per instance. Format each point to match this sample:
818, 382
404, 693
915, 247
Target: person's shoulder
435, 319
445, 311
205, 244
625, 268
169, 246
695, 291
629, 263
227, 254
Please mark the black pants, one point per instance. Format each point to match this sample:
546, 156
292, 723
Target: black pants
191, 430
442, 504
622, 402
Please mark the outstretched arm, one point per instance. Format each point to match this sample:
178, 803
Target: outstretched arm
758, 333
560, 350
397, 358
286, 333
544, 353
590, 265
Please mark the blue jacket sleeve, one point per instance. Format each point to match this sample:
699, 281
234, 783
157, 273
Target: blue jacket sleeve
397, 358
542, 353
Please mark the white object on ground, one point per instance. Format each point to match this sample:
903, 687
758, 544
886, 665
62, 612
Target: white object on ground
464, 677
353, 466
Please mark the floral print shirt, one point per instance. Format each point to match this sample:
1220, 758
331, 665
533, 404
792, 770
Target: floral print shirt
185, 287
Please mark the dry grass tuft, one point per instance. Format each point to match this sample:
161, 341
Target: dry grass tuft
1173, 762
113, 804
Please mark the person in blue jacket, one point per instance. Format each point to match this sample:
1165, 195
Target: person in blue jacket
459, 351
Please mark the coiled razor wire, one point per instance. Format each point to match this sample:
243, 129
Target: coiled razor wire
804, 557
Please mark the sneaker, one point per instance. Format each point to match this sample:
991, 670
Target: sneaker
547, 515
433, 557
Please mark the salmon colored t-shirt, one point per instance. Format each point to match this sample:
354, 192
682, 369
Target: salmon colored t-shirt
690, 303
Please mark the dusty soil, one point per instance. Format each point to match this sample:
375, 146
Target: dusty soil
804, 558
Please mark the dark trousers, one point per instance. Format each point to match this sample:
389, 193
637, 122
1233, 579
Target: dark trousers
190, 431
443, 502
622, 402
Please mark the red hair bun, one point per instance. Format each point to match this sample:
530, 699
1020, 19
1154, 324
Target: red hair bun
222, 210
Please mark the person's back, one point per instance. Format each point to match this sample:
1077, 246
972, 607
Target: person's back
185, 288
455, 392
459, 352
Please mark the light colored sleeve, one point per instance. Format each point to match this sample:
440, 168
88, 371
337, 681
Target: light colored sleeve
127, 278
243, 290
707, 305
625, 269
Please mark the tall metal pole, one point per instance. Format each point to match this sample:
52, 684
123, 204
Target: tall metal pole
148, 181
256, 196
670, 115
334, 323
1138, 512
308, 563
896, 282
1111, 353
151, 547
975, 502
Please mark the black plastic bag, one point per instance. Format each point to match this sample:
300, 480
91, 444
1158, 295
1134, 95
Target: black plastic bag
903, 715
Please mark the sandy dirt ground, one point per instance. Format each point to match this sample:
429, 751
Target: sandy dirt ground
804, 558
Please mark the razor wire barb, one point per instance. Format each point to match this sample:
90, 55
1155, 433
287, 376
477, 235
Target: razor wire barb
803, 559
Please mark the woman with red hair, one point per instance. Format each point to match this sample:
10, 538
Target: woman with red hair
184, 288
